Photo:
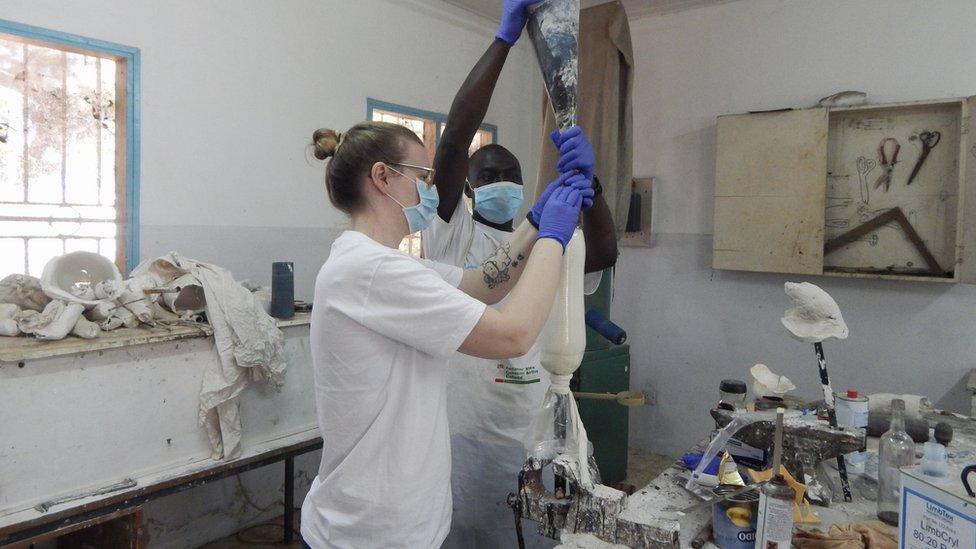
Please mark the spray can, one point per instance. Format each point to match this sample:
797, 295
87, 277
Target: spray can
852, 411
775, 529
734, 519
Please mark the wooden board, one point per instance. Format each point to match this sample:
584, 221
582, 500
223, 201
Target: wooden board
966, 226
930, 202
20, 349
770, 192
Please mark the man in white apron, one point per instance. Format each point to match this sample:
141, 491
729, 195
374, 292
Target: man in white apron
491, 403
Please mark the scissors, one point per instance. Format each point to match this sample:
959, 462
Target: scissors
864, 167
887, 161
929, 141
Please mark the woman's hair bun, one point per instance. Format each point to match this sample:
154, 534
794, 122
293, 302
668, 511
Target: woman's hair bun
325, 142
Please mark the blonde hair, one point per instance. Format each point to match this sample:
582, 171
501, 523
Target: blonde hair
353, 154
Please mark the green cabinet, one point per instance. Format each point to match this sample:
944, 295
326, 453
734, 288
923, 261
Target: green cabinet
606, 371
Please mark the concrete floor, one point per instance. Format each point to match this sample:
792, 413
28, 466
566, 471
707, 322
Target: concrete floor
642, 467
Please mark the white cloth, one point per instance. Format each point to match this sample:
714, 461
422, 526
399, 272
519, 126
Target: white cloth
383, 326
248, 342
491, 404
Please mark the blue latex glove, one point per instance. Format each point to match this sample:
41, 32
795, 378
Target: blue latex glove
575, 151
535, 214
560, 215
567, 179
514, 17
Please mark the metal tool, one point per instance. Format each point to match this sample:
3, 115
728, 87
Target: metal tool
887, 158
623, 398
893, 215
716, 499
929, 140
127, 483
801, 439
864, 167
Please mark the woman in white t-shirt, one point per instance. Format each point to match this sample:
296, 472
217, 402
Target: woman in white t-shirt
384, 325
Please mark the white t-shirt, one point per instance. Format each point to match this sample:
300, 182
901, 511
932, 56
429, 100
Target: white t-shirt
383, 327
491, 403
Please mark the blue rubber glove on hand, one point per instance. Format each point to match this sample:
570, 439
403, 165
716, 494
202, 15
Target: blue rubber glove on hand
575, 151
561, 214
514, 17
535, 214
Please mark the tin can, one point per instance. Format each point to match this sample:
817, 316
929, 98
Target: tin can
852, 411
734, 519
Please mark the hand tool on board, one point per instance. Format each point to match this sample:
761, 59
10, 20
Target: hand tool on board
887, 158
928, 140
893, 215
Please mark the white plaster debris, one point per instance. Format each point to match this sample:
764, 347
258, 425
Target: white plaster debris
585, 541
815, 316
767, 383
24, 291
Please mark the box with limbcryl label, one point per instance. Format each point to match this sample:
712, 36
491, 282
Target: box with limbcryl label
935, 514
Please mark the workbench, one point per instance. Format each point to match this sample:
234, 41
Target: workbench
650, 508
79, 415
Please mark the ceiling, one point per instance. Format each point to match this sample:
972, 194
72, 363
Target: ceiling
635, 8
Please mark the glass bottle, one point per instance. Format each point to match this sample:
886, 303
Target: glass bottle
896, 450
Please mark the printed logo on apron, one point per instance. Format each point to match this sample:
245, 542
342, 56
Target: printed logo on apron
517, 375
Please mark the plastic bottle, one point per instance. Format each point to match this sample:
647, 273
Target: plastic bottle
896, 450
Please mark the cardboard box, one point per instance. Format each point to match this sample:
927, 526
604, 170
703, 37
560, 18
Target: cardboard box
935, 515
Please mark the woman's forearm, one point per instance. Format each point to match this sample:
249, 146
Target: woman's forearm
512, 329
497, 275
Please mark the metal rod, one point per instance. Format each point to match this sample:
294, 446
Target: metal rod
289, 517
832, 416
560, 419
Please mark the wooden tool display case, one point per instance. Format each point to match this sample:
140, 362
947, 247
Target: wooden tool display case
805, 192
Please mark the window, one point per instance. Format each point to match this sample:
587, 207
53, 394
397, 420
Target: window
428, 126
68, 117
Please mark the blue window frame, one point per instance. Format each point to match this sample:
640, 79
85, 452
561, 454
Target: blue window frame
373, 105
124, 107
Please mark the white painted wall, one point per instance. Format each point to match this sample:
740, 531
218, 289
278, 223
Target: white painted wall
691, 326
232, 90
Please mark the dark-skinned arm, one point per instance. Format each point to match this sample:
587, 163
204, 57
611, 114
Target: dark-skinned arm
601, 237
463, 121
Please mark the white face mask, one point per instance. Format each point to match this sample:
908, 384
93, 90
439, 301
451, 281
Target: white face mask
420, 216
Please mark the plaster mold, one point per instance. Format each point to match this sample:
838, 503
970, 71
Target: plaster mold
815, 316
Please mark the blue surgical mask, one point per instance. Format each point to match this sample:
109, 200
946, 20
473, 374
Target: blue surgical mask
420, 216
498, 202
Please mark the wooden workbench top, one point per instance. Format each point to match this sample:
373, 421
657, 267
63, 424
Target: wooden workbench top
19, 349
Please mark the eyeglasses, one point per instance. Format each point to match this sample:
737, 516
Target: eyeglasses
428, 173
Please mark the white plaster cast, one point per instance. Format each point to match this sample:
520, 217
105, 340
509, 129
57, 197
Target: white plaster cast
8, 310
815, 316
62, 322
74, 278
189, 299
24, 291
563, 340
135, 299
8, 327
85, 328
767, 383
